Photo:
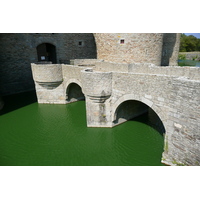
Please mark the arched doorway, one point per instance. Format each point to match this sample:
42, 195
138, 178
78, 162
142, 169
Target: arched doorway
46, 53
137, 111
74, 93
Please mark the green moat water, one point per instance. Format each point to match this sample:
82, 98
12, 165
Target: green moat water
35, 134
192, 63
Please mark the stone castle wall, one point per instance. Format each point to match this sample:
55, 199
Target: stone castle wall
156, 48
18, 50
129, 47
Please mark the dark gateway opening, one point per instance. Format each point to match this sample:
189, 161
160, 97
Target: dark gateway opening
46, 53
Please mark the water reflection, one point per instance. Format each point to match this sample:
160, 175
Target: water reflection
16, 101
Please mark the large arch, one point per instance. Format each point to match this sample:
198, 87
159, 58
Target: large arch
130, 106
46, 52
74, 91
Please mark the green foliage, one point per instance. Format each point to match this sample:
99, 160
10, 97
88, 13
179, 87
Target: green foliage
189, 43
182, 56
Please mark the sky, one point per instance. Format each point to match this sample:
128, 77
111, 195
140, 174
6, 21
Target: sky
197, 35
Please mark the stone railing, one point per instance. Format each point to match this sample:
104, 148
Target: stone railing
49, 75
191, 55
192, 73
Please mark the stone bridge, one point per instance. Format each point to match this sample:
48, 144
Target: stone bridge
115, 93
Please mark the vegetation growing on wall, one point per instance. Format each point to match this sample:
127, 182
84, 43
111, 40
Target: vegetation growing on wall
189, 43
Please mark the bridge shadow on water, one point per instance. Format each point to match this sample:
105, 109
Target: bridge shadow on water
133, 110
16, 101
151, 119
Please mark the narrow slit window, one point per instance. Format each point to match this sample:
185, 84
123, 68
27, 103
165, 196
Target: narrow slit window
122, 41
80, 43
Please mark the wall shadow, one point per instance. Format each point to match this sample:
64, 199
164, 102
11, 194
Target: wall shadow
133, 110
16, 101
151, 119
129, 110
169, 41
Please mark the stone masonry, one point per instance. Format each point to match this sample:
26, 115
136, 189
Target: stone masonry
171, 92
157, 48
18, 50
119, 75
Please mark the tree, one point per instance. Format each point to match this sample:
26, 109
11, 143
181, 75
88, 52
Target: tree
189, 43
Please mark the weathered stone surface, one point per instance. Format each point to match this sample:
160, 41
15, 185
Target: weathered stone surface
111, 88
18, 50
135, 47
170, 50
156, 48
172, 92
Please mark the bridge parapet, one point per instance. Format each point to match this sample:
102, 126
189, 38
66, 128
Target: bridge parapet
192, 73
86, 62
47, 73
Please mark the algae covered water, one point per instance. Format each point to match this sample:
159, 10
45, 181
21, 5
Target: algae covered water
192, 63
33, 134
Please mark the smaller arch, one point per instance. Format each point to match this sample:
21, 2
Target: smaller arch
72, 80
74, 92
46, 52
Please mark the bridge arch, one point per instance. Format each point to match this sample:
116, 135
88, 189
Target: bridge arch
130, 106
74, 91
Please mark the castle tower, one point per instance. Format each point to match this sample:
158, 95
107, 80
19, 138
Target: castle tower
130, 47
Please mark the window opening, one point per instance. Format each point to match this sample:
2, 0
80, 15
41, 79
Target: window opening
80, 43
122, 41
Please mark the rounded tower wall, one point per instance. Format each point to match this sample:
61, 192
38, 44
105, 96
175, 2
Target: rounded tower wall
130, 47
